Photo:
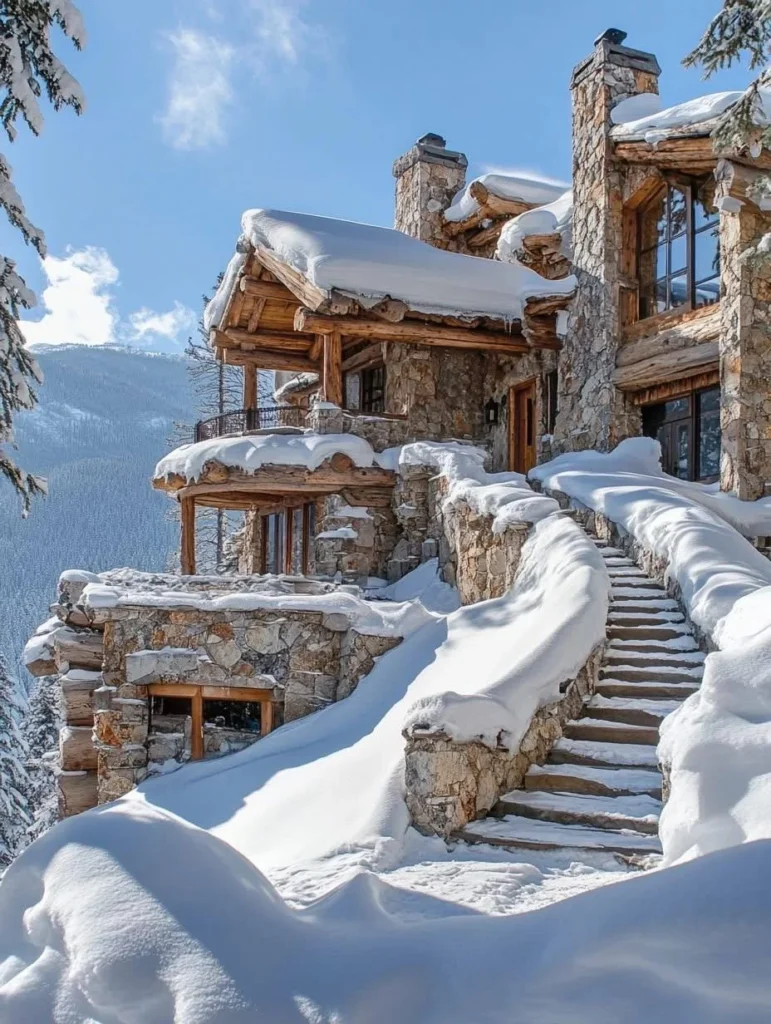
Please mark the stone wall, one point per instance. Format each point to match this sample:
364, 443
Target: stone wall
745, 339
354, 541
449, 783
427, 177
439, 390
592, 412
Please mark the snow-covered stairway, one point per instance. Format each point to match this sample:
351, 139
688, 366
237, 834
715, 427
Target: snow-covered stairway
600, 788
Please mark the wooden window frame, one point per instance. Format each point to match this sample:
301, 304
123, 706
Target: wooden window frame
364, 376
199, 692
693, 418
689, 188
285, 516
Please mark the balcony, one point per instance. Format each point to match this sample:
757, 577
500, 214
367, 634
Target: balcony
241, 421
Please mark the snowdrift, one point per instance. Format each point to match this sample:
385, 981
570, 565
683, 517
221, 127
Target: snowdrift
718, 743
125, 916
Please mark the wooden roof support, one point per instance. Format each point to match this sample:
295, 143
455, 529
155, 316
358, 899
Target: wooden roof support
267, 289
693, 154
332, 376
371, 355
265, 360
240, 340
417, 332
187, 544
250, 386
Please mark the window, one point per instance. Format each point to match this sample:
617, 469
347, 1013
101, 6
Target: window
287, 540
552, 382
365, 390
688, 429
679, 253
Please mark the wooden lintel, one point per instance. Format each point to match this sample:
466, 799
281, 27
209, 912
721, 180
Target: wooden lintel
667, 366
418, 332
371, 497
279, 480
674, 388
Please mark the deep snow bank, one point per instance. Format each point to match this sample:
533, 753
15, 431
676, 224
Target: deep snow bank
719, 742
129, 916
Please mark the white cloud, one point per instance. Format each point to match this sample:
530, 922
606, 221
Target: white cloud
77, 300
147, 323
79, 308
269, 37
200, 90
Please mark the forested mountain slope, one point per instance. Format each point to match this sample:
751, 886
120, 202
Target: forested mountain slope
101, 425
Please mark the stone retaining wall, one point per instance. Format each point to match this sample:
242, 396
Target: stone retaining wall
449, 784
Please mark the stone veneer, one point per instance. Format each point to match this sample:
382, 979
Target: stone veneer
592, 412
745, 339
427, 178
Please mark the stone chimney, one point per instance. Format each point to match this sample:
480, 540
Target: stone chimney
592, 413
427, 178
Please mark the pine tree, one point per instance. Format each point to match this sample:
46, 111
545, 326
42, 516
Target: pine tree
742, 28
14, 810
28, 67
40, 732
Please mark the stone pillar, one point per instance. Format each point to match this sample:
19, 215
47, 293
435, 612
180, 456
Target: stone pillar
745, 337
592, 412
427, 178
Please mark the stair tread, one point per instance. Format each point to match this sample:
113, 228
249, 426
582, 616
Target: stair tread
683, 643
671, 656
636, 780
666, 617
603, 723
643, 807
620, 754
649, 593
513, 828
662, 707
633, 601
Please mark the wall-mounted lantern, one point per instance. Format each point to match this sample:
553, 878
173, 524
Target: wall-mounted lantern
491, 412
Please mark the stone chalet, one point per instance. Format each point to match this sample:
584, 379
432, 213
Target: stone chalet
503, 312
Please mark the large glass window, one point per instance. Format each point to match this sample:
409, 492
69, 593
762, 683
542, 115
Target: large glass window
679, 253
365, 390
688, 429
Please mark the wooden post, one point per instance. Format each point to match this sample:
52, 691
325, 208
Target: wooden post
250, 386
196, 732
332, 390
187, 547
266, 717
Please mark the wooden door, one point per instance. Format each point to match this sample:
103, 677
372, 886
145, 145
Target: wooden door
522, 427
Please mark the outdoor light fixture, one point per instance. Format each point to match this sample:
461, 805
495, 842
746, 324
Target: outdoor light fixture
491, 412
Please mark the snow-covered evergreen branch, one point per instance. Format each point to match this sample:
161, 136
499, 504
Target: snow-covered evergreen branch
28, 67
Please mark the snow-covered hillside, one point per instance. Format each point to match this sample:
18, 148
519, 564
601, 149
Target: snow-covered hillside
102, 423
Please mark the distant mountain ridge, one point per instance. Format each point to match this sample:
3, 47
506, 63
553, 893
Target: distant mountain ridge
102, 422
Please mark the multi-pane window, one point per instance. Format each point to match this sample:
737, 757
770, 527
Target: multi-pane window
688, 429
365, 390
679, 253
287, 540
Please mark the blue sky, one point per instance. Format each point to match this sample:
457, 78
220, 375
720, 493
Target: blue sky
199, 109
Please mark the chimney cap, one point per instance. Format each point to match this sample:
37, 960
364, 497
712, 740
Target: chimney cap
432, 139
613, 35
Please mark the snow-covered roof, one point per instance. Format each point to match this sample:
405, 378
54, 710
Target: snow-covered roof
637, 118
251, 452
373, 263
553, 218
524, 188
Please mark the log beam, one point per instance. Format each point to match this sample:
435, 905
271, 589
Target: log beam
417, 332
265, 360
187, 546
667, 366
332, 375
266, 289
239, 340
371, 355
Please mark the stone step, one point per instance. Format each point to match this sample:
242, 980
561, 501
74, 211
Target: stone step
617, 561
642, 601
640, 658
585, 779
633, 711
515, 833
635, 585
655, 630
646, 617
640, 813
603, 754
609, 731
627, 571
612, 687
646, 673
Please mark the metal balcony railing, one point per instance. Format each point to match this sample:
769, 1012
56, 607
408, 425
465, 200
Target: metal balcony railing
239, 421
